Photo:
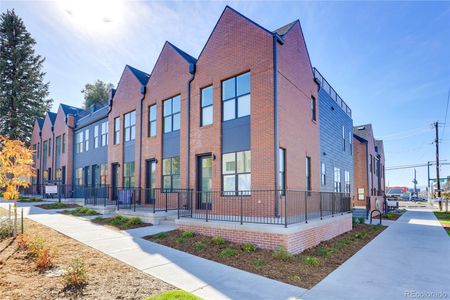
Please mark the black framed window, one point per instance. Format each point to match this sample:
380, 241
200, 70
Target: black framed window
104, 134
347, 182
236, 97
308, 173
49, 147
172, 114
236, 172
323, 180
79, 176
63, 146
129, 126
152, 120
86, 140
282, 162
79, 142
207, 106
128, 174
116, 130
313, 109
96, 136
171, 173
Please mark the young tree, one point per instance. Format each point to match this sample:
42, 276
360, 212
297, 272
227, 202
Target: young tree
96, 93
23, 93
16, 168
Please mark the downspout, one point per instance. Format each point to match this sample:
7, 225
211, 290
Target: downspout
53, 153
276, 38
73, 149
41, 159
188, 140
367, 168
143, 91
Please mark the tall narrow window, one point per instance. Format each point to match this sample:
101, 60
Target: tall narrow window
130, 126
104, 136
337, 180
343, 136
370, 163
79, 142
116, 130
49, 147
79, 176
207, 106
152, 120
236, 172
347, 182
58, 145
128, 174
96, 138
172, 114
236, 97
313, 108
308, 173
171, 173
350, 139
86, 139
282, 162
63, 147
323, 180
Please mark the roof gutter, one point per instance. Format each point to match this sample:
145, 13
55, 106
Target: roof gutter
188, 140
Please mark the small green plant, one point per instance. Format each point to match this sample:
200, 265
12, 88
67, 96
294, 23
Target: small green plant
259, 262
228, 252
389, 215
161, 235
199, 246
187, 234
181, 240
133, 221
248, 247
281, 253
6, 228
355, 221
311, 260
75, 274
218, 240
40, 252
325, 251
361, 220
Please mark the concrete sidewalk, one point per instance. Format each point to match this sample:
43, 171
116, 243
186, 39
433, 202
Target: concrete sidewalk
410, 259
204, 278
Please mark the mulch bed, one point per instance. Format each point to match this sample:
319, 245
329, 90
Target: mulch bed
108, 278
393, 215
107, 222
295, 270
57, 206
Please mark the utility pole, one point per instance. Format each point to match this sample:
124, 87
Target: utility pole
429, 188
438, 180
415, 182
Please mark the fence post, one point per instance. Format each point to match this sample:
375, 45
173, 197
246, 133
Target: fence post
133, 196
242, 209
206, 210
286, 193
332, 204
178, 204
154, 200
166, 200
306, 207
342, 204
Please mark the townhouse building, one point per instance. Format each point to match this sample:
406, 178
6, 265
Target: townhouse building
336, 140
369, 169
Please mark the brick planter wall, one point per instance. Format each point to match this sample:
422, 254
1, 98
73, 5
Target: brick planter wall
295, 238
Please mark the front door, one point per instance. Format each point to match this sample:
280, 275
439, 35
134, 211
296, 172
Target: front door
115, 180
150, 181
204, 182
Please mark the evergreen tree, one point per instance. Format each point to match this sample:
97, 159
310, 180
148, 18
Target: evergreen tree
23, 93
96, 93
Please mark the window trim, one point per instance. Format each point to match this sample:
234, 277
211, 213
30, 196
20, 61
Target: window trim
86, 139
323, 173
171, 174
150, 121
130, 127
236, 191
313, 109
236, 96
117, 130
171, 115
96, 140
282, 174
104, 134
308, 186
206, 106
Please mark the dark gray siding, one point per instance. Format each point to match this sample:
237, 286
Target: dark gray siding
128, 151
236, 135
171, 144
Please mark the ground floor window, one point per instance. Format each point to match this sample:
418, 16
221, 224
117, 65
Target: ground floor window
282, 166
103, 174
79, 176
236, 171
171, 173
308, 173
323, 180
128, 174
347, 182
337, 180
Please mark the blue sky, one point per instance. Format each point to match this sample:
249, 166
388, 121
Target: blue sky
390, 61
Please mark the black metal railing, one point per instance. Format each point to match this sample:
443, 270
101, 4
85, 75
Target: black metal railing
97, 195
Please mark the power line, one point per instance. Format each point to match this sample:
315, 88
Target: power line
446, 112
411, 166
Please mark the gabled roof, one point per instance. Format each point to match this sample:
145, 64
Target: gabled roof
40, 122
67, 109
141, 76
93, 116
183, 54
285, 29
364, 131
52, 116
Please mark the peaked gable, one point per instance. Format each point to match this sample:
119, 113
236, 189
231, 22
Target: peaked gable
140, 75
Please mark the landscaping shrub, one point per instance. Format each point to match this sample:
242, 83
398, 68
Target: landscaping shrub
361, 220
218, 240
281, 253
311, 260
75, 274
180, 240
259, 262
389, 215
228, 252
325, 251
133, 221
199, 246
187, 234
117, 220
6, 228
40, 252
23, 241
174, 295
161, 235
355, 221
248, 247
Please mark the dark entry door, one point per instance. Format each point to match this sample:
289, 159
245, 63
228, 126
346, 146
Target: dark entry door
150, 181
115, 180
204, 181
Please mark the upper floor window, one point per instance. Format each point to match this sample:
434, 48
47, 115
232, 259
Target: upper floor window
79, 142
130, 126
308, 173
86, 139
343, 136
370, 163
34, 153
116, 130
58, 145
39, 150
236, 97
282, 161
207, 106
236, 172
323, 178
337, 180
172, 114
313, 108
63, 146
104, 137
152, 120
49, 147
171, 173
350, 139
96, 138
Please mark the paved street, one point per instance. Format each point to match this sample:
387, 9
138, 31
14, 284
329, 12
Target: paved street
411, 255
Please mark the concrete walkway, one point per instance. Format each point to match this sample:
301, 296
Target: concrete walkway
410, 259
204, 278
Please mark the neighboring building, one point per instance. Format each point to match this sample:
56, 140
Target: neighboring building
369, 169
336, 140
